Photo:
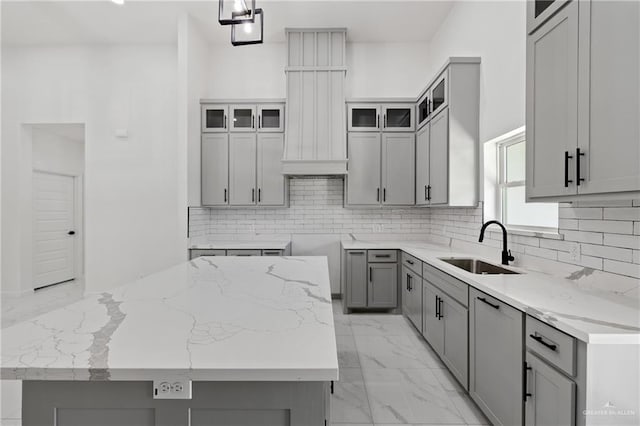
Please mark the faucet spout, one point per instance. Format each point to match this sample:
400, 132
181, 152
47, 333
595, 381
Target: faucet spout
506, 253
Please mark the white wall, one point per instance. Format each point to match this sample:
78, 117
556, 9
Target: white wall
494, 31
132, 221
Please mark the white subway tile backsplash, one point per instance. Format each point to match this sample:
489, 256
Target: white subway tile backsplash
594, 234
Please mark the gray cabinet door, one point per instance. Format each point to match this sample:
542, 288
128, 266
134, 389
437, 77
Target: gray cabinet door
439, 158
412, 297
356, 281
271, 181
271, 118
398, 169
551, 399
383, 285
495, 358
455, 350
243, 118
244, 252
363, 180
609, 97
242, 169
422, 165
215, 169
552, 105
433, 326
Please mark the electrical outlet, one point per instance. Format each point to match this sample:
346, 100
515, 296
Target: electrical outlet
169, 389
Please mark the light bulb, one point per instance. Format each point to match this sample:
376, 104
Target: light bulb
118, 2
238, 6
248, 28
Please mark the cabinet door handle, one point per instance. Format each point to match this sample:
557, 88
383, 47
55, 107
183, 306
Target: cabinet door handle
440, 316
253, 121
225, 195
429, 192
259, 194
225, 121
425, 193
259, 122
525, 377
378, 121
540, 340
566, 169
437, 306
385, 121
253, 195
384, 195
378, 196
578, 155
482, 299
370, 273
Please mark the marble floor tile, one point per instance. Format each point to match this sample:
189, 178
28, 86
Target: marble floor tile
448, 382
469, 410
349, 401
380, 325
343, 326
347, 352
409, 397
393, 352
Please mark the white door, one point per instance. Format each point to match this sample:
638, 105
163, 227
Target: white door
53, 229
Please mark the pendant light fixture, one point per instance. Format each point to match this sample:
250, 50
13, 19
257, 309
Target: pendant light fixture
233, 12
249, 32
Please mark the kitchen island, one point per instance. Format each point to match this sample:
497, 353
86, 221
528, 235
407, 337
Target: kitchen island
253, 336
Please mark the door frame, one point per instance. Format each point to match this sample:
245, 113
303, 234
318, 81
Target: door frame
78, 225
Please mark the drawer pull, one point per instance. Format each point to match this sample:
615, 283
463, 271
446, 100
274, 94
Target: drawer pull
482, 299
542, 342
384, 256
410, 262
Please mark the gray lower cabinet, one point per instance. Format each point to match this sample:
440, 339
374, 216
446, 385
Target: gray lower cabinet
495, 358
550, 395
215, 169
242, 169
412, 297
356, 279
244, 252
446, 329
195, 253
383, 285
398, 169
371, 284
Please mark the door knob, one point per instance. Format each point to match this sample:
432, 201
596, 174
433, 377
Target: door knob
71, 233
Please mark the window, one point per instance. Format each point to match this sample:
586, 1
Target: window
514, 211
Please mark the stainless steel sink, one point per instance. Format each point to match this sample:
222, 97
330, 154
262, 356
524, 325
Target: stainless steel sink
476, 266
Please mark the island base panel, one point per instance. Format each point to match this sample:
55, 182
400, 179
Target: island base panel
69, 403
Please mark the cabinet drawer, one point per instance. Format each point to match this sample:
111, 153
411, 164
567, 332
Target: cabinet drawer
382, 256
244, 253
412, 263
194, 253
273, 252
551, 344
445, 282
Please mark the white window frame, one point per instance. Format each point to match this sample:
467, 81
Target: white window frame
502, 184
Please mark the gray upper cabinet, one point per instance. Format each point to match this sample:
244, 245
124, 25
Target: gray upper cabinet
538, 11
583, 102
241, 161
243, 118
439, 159
271, 181
383, 285
363, 180
552, 105
609, 97
422, 165
363, 117
447, 141
215, 169
214, 118
356, 278
271, 118
242, 169
398, 169
550, 398
398, 117
496, 358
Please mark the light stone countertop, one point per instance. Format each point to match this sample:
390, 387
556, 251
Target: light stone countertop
210, 319
239, 244
592, 316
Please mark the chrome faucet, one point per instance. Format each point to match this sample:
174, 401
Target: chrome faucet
506, 254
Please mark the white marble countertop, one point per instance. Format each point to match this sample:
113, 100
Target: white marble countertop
210, 319
239, 244
592, 316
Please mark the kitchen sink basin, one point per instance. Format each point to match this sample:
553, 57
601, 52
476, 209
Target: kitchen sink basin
476, 266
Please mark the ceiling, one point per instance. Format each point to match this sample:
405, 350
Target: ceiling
144, 21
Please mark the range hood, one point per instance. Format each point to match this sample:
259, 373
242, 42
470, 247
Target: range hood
315, 137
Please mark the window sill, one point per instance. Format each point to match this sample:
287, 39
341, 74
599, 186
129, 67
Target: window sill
548, 235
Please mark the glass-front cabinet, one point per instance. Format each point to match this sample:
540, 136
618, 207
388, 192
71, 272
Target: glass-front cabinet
439, 94
398, 117
271, 118
243, 118
364, 117
214, 118
424, 109
538, 11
